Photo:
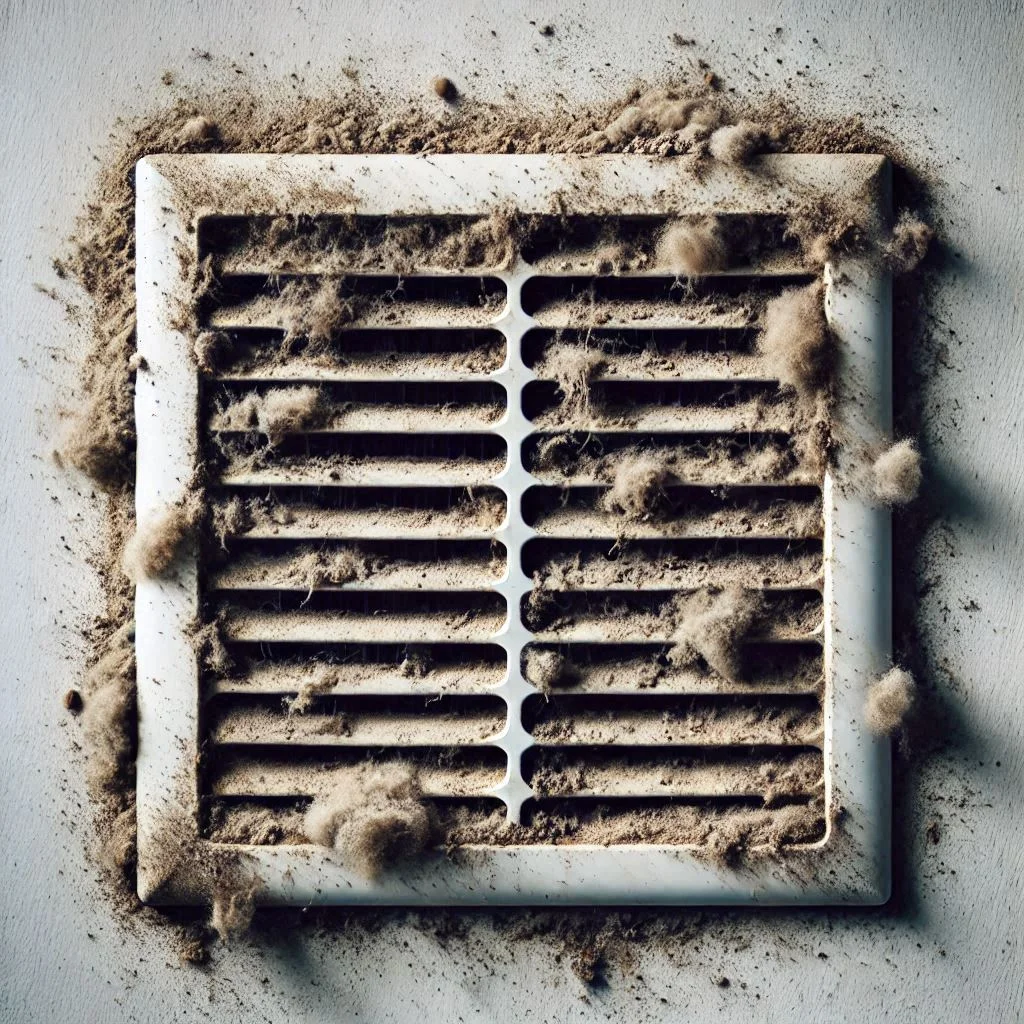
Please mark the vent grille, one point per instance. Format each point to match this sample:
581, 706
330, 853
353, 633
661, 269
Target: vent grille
417, 555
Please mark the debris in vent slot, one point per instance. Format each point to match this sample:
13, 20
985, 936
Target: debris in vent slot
275, 413
638, 490
375, 820
692, 247
714, 625
896, 473
795, 341
889, 701
547, 669
325, 681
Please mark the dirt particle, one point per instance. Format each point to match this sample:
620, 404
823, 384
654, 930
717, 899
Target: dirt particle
73, 701
445, 88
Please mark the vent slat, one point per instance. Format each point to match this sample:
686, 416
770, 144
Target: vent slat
325, 627
395, 473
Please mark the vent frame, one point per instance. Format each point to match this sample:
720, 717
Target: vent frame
850, 867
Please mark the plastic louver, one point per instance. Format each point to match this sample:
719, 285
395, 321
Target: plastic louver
461, 498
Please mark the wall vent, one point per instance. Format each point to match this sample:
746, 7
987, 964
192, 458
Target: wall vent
432, 527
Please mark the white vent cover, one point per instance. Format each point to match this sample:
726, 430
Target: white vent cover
221, 738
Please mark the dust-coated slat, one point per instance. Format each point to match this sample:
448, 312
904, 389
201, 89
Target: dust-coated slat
362, 419
281, 572
300, 523
258, 727
661, 775
737, 419
269, 775
758, 726
398, 473
361, 680
764, 524
688, 367
322, 627
634, 571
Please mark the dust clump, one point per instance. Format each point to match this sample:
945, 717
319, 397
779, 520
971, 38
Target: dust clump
73, 701
896, 473
909, 244
692, 247
229, 520
117, 853
197, 131
737, 143
375, 820
795, 341
638, 490
234, 905
157, 543
208, 643
714, 625
573, 373
208, 347
309, 690
545, 668
335, 568
889, 701
108, 718
660, 111
275, 413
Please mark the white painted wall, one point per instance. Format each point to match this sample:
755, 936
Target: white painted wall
945, 77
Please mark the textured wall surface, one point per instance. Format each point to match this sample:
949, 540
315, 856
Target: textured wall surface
944, 78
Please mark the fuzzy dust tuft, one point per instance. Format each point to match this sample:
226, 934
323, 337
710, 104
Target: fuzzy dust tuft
795, 342
692, 247
276, 413
638, 490
108, 718
714, 625
737, 143
909, 244
889, 701
234, 905
157, 543
896, 473
573, 373
323, 683
229, 520
545, 668
208, 643
375, 820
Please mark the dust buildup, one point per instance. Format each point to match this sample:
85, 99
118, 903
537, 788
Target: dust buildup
638, 490
196, 131
157, 543
545, 669
275, 413
573, 373
108, 718
212, 652
909, 244
229, 520
117, 853
795, 341
692, 247
714, 625
896, 474
207, 349
375, 820
660, 112
234, 905
737, 143
304, 699
890, 699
